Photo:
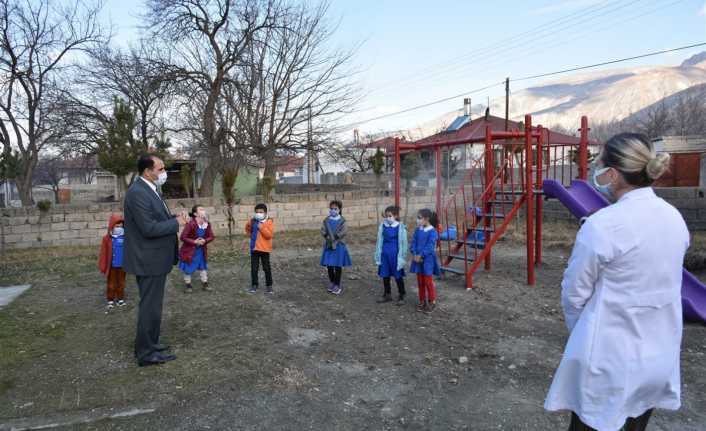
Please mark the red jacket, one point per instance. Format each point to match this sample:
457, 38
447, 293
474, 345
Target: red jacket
105, 258
189, 236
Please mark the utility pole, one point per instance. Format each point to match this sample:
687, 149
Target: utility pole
309, 152
507, 102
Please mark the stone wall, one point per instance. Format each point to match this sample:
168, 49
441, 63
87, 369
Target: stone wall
690, 202
86, 224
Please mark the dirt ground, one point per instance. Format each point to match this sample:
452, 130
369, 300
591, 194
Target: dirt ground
302, 359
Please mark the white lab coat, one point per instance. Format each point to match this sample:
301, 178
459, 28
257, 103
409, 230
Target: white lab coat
621, 296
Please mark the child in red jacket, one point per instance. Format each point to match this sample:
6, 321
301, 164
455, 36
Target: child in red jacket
193, 254
110, 261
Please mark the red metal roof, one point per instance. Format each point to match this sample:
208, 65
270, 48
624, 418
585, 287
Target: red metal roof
475, 129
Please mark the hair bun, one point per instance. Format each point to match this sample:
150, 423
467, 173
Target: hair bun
657, 166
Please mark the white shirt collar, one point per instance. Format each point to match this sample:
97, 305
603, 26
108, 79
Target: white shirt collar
641, 193
150, 183
428, 228
338, 217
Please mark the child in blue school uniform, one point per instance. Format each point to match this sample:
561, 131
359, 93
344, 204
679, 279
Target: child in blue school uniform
425, 263
335, 253
391, 254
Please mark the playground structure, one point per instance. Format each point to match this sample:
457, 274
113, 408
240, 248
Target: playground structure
533, 165
507, 175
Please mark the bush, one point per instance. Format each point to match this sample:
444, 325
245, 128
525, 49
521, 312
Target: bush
44, 205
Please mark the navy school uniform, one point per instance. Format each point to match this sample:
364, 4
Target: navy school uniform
424, 244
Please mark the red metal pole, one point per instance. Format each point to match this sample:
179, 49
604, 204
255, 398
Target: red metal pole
398, 168
540, 201
529, 195
489, 174
583, 149
438, 181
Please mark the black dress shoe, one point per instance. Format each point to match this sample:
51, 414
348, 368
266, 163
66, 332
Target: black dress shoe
167, 357
156, 359
161, 347
153, 359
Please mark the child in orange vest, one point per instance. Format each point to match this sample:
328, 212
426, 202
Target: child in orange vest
110, 262
260, 230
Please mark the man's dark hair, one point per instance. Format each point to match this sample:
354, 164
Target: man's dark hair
261, 207
146, 161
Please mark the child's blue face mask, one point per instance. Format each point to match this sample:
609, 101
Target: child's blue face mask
603, 188
118, 231
333, 212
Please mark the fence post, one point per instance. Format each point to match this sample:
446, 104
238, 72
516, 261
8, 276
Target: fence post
489, 174
398, 170
583, 149
529, 199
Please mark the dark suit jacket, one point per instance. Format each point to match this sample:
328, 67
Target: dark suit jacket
150, 246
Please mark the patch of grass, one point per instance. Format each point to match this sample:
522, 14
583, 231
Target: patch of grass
23, 337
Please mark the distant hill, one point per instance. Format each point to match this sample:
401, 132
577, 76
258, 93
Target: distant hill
604, 96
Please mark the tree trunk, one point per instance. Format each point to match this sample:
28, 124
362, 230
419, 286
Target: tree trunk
270, 165
24, 187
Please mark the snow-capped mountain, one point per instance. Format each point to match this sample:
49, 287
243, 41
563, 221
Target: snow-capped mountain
602, 96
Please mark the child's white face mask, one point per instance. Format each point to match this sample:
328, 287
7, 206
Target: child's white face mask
118, 231
420, 221
390, 220
260, 216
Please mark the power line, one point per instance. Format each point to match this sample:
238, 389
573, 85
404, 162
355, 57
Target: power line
425, 105
498, 50
474, 53
573, 69
503, 58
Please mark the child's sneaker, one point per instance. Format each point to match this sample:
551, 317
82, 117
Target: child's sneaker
206, 287
422, 306
189, 288
109, 306
269, 291
121, 303
331, 287
430, 307
384, 299
337, 290
400, 301
253, 289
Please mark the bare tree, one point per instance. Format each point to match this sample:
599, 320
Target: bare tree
49, 174
36, 38
688, 115
208, 38
291, 86
138, 77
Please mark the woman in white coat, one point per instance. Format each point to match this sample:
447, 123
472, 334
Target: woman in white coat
621, 296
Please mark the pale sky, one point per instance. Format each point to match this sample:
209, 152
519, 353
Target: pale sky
417, 51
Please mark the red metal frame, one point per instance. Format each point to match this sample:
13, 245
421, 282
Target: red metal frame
530, 184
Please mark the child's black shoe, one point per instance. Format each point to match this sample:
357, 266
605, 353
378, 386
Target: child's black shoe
400, 301
189, 288
206, 287
385, 298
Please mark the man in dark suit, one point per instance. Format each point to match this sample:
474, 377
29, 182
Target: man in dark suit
150, 252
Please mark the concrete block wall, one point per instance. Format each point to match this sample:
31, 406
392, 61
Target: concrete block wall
690, 201
70, 225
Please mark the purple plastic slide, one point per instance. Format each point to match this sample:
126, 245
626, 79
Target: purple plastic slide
582, 199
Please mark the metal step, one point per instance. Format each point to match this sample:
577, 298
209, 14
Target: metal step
473, 244
509, 192
461, 257
452, 270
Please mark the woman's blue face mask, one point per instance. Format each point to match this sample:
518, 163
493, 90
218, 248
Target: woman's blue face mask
602, 188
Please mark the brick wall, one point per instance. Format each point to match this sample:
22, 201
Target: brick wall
86, 224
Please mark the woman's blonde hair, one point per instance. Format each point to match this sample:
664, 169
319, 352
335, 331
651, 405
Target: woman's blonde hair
635, 157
